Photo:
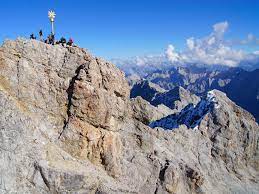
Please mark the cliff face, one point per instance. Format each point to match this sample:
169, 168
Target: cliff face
67, 126
58, 101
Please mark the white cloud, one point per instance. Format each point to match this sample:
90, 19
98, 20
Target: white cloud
220, 28
209, 50
211, 41
171, 55
212, 49
140, 61
190, 43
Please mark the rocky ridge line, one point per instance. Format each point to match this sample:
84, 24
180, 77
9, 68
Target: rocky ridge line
104, 145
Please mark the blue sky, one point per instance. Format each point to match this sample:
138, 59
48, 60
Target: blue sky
124, 28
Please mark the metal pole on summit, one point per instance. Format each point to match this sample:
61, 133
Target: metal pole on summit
52, 15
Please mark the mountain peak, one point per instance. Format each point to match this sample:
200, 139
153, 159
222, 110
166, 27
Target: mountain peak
215, 104
67, 124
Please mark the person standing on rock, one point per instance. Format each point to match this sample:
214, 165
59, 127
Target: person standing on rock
50, 39
32, 36
41, 35
52, 36
70, 42
63, 41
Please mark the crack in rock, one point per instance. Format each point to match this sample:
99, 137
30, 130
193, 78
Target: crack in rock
70, 93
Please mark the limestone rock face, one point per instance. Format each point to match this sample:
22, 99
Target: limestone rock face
228, 127
147, 90
146, 113
67, 125
175, 99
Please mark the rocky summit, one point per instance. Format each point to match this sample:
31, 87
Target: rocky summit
68, 125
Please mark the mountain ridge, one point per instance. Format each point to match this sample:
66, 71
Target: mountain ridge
68, 125
199, 81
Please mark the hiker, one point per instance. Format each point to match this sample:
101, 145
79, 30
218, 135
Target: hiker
52, 39
41, 35
48, 40
32, 36
63, 41
70, 42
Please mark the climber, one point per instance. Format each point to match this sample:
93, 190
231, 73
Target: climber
49, 40
32, 36
41, 35
62, 41
52, 38
70, 42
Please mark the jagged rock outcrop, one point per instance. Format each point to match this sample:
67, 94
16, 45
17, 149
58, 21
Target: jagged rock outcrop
67, 125
146, 113
191, 115
175, 99
200, 80
71, 100
228, 127
147, 90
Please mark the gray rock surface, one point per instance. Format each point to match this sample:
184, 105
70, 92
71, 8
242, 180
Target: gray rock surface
175, 99
147, 90
146, 113
67, 125
200, 80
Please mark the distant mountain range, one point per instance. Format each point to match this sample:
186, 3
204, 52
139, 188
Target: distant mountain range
240, 85
175, 99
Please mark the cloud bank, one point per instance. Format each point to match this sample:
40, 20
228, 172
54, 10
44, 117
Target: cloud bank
172, 56
214, 49
210, 50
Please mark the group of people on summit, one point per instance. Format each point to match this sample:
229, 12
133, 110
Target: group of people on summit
51, 39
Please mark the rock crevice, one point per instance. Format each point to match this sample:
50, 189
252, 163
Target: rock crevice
70, 93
